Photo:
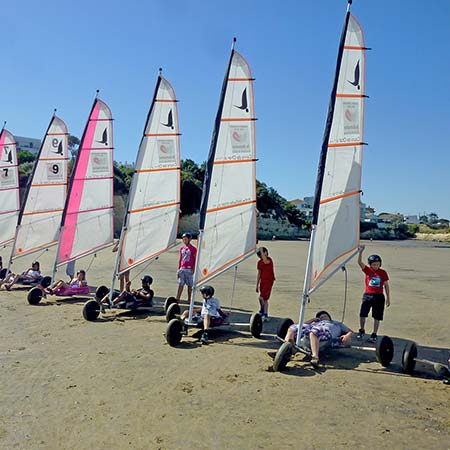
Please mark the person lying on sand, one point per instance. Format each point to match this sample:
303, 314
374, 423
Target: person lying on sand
30, 276
317, 330
78, 282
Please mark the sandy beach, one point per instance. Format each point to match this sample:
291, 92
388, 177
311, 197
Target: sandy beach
115, 384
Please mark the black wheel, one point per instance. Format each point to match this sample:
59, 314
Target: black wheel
3, 273
284, 327
409, 357
385, 351
172, 311
46, 282
173, 332
91, 310
101, 291
282, 357
34, 296
169, 301
256, 325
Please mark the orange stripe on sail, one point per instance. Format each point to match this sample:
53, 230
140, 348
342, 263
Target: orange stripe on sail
57, 134
48, 184
156, 170
162, 134
220, 208
162, 100
53, 159
236, 119
42, 212
240, 79
231, 161
346, 144
165, 205
21, 252
354, 47
350, 95
337, 197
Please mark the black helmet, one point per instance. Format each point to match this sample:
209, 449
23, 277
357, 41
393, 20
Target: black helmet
374, 258
207, 290
187, 235
147, 279
35, 263
319, 313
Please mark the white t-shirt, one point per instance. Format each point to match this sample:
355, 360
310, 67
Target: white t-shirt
211, 306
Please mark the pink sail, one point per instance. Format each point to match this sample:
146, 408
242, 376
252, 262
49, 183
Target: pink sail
88, 217
9, 187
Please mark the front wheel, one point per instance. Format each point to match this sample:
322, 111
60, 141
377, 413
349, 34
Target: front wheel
173, 310
91, 310
34, 296
282, 357
173, 332
169, 301
256, 325
385, 351
284, 327
100, 292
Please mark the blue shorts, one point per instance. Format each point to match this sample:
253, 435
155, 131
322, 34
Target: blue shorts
185, 277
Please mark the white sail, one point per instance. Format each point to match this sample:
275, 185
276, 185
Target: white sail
43, 205
9, 187
229, 233
88, 217
337, 231
151, 222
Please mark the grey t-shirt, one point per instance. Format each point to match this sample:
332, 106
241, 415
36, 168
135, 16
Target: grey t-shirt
211, 306
335, 328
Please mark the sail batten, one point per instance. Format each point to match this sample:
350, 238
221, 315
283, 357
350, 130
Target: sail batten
88, 218
151, 221
9, 181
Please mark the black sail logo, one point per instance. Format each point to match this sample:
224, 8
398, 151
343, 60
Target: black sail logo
8, 156
56, 143
244, 102
169, 123
356, 77
104, 138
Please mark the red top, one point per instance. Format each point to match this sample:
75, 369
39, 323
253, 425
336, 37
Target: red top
375, 280
187, 257
266, 270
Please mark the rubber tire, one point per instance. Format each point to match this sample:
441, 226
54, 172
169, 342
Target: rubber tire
172, 311
408, 358
385, 350
169, 301
256, 325
284, 327
34, 296
91, 310
282, 357
46, 282
3, 273
173, 332
101, 291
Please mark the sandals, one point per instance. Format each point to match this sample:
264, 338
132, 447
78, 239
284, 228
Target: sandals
315, 362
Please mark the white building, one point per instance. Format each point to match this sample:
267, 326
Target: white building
26, 144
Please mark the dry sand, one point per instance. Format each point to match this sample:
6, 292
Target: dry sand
115, 384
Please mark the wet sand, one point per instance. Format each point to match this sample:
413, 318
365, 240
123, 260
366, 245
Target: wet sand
115, 384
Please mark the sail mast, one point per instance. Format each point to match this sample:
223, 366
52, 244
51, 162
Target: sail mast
320, 172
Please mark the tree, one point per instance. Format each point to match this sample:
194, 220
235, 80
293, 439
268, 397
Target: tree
74, 143
25, 156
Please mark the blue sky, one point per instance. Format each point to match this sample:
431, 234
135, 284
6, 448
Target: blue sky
56, 54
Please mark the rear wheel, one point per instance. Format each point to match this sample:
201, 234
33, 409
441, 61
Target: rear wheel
3, 273
385, 351
34, 296
172, 311
284, 327
46, 282
173, 332
409, 358
169, 301
91, 310
282, 357
256, 325
100, 292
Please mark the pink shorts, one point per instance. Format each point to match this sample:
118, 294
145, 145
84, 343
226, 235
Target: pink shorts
83, 290
265, 289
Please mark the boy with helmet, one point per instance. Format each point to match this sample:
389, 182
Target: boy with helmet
377, 282
132, 299
209, 315
186, 266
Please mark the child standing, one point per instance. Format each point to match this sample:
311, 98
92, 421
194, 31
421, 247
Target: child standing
186, 266
264, 281
377, 282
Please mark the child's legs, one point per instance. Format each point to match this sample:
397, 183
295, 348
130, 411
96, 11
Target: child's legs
314, 342
377, 311
179, 292
265, 290
291, 334
121, 282
206, 321
366, 306
189, 289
